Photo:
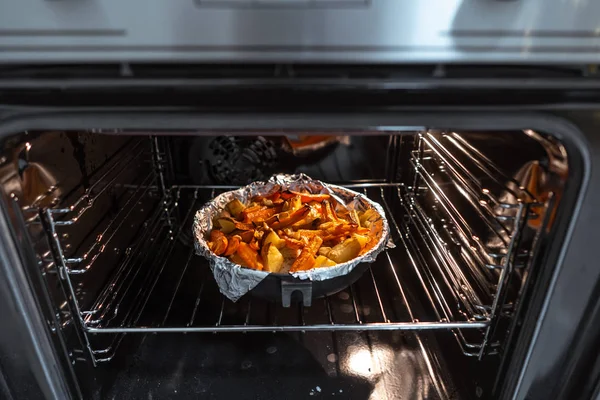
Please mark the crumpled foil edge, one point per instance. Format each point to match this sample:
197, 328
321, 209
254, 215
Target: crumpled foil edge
233, 280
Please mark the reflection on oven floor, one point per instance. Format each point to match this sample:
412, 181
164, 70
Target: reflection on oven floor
354, 365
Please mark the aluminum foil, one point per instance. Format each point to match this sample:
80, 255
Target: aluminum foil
234, 280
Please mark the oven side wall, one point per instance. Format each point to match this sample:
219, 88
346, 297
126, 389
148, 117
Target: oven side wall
33, 361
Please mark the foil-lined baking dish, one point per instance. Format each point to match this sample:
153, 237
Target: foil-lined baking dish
234, 281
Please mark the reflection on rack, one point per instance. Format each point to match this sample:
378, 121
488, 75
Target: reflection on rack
115, 224
105, 181
473, 257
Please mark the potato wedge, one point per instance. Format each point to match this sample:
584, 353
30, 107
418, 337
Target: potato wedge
322, 261
353, 215
362, 239
345, 251
235, 207
272, 237
368, 217
250, 256
272, 258
227, 225
323, 251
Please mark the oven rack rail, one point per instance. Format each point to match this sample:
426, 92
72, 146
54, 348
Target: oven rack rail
458, 146
107, 178
139, 279
436, 166
80, 199
481, 181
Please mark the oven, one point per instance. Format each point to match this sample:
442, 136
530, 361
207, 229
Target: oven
478, 141
491, 211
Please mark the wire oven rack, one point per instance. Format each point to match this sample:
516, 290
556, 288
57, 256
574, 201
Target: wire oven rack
149, 296
448, 271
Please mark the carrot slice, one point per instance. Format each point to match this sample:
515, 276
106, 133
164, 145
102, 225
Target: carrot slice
305, 197
291, 218
306, 259
257, 216
232, 246
219, 242
254, 244
250, 256
293, 243
329, 213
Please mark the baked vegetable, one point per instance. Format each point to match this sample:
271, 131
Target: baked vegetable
290, 231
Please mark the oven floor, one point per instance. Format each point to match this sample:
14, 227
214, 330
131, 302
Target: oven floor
377, 365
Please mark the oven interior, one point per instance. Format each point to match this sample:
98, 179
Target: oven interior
136, 313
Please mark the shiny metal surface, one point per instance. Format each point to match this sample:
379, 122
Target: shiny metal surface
535, 31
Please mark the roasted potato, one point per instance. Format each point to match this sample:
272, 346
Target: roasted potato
362, 239
345, 251
235, 207
227, 225
230, 224
323, 251
322, 261
368, 217
272, 237
271, 257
